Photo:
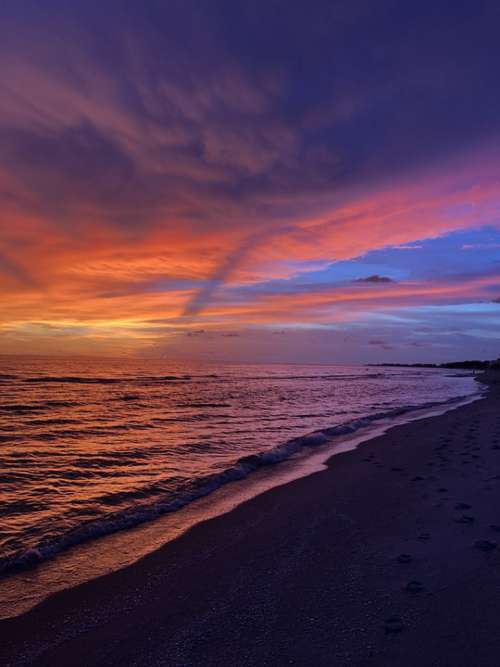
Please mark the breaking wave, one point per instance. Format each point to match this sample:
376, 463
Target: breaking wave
147, 504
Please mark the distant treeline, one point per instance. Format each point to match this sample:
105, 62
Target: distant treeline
469, 364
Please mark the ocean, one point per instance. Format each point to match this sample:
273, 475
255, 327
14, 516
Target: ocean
89, 447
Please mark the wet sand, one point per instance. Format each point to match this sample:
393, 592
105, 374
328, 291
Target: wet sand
388, 557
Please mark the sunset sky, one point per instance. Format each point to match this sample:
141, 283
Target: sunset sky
250, 180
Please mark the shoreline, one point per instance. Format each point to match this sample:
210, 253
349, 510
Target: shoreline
314, 559
100, 555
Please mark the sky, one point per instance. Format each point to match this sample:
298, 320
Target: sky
250, 181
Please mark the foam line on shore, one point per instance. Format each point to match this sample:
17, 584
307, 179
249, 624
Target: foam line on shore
202, 486
152, 535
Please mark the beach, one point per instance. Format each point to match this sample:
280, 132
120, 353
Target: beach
388, 557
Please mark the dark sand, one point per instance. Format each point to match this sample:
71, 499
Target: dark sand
308, 573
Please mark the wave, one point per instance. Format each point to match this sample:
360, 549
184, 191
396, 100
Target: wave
80, 379
40, 406
203, 405
19, 408
59, 404
76, 379
51, 422
146, 380
329, 376
192, 489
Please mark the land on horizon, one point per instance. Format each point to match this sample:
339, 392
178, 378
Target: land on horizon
470, 364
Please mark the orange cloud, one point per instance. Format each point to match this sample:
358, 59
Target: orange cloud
113, 281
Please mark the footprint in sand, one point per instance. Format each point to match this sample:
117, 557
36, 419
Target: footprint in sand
393, 625
414, 586
485, 545
405, 558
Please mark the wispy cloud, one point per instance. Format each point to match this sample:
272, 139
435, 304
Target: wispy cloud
160, 175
